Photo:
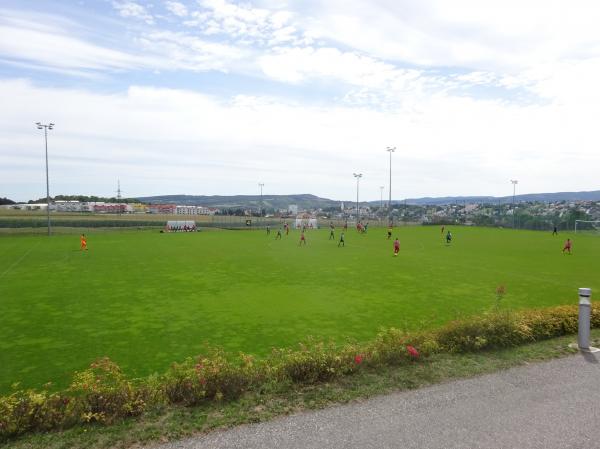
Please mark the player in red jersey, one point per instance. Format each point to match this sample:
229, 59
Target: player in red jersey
396, 246
567, 246
302, 239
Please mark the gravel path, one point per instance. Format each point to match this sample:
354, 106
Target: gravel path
551, 405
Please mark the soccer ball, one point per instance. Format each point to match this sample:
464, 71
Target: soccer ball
395, 254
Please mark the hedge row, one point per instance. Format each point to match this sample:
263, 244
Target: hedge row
103, 394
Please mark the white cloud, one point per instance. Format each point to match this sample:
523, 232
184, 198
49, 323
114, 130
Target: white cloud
171, 141
184, 51
52, 47
499, 36
177, 8
50, 43
133, 9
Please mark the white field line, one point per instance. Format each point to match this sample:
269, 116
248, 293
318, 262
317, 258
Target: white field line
18, 261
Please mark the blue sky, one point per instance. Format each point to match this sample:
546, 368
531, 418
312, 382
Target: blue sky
215, 96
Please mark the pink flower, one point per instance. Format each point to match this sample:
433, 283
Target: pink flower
412, 351
358, 359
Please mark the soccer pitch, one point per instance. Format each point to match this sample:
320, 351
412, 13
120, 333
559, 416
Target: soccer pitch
147, 299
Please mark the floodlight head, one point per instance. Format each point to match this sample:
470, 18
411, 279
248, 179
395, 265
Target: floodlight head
40, 127
391, 149
38, 123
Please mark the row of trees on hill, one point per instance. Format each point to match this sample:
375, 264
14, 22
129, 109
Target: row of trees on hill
84, 199
6, 201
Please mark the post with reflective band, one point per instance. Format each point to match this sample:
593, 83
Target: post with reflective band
585, 309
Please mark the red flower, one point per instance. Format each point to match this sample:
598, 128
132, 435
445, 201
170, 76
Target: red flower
412, 351
199, 366
358, 359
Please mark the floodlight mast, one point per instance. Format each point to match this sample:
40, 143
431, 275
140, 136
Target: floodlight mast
357, 176
514, 183
46, 128
390, 150
261, 185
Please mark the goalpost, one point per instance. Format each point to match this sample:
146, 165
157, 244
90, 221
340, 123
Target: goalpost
310, 223
587, 225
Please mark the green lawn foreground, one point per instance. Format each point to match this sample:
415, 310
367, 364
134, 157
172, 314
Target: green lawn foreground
180, 422
147, 299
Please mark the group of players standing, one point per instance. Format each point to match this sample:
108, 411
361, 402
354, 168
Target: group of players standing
360, 228
363, 230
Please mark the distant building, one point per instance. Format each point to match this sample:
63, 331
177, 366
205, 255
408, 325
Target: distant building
293, 209
162, 208
109, 208
139, 208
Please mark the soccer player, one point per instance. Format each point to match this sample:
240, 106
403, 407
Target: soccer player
567, 246
342, 242
555, 231
443, 227
268, 230
302, 239
287, 228
448, 238
278, 236
389, 233
331, 234
83, 240
396, 246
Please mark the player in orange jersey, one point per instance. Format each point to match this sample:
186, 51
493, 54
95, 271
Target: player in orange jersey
83, 239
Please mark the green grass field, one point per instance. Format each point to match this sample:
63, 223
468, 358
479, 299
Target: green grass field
147, 299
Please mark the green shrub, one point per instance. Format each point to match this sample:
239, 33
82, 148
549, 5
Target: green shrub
29, 410
104, 394
552, 322
489, 330
212, 377
314, 362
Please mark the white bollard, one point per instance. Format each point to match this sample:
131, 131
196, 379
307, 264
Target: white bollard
585, 310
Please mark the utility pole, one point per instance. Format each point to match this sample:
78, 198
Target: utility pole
119, 197
357, 176
46, 128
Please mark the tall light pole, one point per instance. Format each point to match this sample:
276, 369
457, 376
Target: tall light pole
46, 128
261, 185
357, 176
390, 150
514, 183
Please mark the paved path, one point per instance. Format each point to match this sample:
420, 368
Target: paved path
552, 405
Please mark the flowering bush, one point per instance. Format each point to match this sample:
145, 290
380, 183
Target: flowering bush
314, 362
29, 410
212, 377
104, 393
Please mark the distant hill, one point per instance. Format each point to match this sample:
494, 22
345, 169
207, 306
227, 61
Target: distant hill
306, 201
541, 197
